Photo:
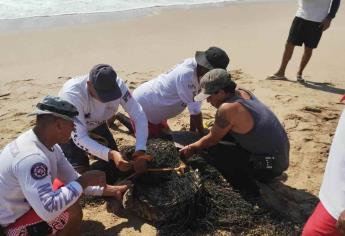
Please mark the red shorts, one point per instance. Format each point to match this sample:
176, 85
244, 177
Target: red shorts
19, 228
155, 130
320, 223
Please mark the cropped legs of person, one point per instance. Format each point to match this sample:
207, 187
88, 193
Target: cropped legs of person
236, 165
68, 223
80, 159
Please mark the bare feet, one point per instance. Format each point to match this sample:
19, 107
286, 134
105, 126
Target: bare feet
117, 191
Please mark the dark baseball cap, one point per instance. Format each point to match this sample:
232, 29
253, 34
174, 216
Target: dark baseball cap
103, 78
212, 82
212, 58
57, 107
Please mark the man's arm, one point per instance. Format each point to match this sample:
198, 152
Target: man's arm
33, 174
341, 223
196, 123
221, 127
186, 90
325, 24
137, 115
334, 8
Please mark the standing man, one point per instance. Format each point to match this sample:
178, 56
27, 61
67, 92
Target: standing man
312, 18
29, 204
328, 218
261, 149
170, 93
97, 97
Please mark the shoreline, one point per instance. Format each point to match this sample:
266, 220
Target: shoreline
64, 20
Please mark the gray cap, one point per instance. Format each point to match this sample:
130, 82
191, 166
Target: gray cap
103, 78
212, 82
56, 107
212, 58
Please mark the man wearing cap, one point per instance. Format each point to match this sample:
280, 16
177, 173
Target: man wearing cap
97, 97
261, 146
29, 203
170, 93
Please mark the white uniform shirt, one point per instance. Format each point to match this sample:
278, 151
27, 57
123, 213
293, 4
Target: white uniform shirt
332, 192
93, 113
170, 93
313, 10
26, 173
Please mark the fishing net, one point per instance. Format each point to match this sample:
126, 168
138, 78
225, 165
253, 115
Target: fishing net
199, 201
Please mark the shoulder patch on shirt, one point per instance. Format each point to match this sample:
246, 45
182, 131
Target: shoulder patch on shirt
127, 96
39, 170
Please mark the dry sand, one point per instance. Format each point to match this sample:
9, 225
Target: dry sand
36, 62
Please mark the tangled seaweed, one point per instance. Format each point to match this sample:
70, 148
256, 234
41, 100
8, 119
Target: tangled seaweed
199, 202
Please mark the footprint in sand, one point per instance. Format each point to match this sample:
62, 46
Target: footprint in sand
292, 121
19, 114
285, 98
64, 77
323, 113
5, 95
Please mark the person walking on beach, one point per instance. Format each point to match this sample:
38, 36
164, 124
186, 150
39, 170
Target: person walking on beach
170, 93
29, 204
260, 147
328, 218
312, 18
97, 97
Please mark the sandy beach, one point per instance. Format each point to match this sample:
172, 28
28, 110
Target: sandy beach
36, 61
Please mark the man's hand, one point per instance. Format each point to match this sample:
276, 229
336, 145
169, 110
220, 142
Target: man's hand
140, 160
187, 151
325, 24
341, 223
196, 124
119, 161
138, 154
92, 178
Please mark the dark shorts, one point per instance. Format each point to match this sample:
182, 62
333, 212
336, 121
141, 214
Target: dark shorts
79, 158
235, 164
304, 31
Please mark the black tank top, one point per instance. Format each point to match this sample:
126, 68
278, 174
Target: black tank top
267, 137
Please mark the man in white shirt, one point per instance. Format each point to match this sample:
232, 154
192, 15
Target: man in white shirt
328, 218
312, 18
29, 204
170, 93
97, 97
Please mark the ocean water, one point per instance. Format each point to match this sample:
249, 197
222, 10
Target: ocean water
14, 9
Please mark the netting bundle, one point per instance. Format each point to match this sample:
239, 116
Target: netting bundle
167, 195
199, 201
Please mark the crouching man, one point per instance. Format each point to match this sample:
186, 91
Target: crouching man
259, 146
29, 203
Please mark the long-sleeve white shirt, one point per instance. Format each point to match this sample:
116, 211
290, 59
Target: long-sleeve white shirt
93, 113
27, 171
170, 93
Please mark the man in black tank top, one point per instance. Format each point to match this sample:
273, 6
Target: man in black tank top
259, 147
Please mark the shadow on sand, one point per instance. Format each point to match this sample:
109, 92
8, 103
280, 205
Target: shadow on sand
321, 86
325, 87
290, 203
93, 228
